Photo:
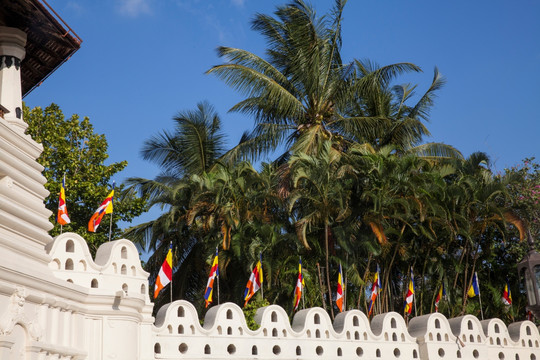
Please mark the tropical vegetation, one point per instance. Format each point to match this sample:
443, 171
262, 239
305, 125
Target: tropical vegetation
354, 183
72, 149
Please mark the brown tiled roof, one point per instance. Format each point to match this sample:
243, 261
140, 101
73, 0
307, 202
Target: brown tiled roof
50, 40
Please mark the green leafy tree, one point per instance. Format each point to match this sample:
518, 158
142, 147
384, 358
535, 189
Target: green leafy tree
71, 147
299, 93
320, 196
189, 159
524, 188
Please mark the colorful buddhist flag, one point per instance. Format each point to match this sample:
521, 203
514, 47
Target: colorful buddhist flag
440, 294
507, 295
475, 288
106, 207
409, 298
375, 289
62, 217
165, 273
214, 273
340, 290
255, 281
299, 286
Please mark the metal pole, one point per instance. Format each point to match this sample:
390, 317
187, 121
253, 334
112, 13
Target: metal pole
217, 277
321, 286
110, 228
302, 285
261, 275
63, 184
171, 288
344, 290
479, 295
110, 224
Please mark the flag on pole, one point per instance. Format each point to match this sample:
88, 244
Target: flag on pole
299, 286
340, 288
106, 207
62, 217
255, 281
507, 295
440, 294
165, 273
475, 288
214, 273
375, 289
410, 295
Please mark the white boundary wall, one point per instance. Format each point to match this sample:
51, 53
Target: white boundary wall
114, 329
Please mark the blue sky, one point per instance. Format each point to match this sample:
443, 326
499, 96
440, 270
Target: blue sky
142, 61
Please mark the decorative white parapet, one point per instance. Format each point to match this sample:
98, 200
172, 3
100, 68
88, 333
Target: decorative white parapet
178, 335
100, 309
117, 267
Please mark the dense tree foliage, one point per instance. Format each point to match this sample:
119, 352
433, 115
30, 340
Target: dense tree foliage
357, 185
71, 148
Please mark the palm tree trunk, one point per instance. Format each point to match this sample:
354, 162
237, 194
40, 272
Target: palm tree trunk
423, 281
321, 286
328, 269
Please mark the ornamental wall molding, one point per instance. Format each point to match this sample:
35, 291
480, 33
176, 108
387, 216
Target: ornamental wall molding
7, 61
15, 314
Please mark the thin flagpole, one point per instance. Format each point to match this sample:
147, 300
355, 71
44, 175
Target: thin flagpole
303, 298
378, 305
479, 295
262, 275
302, 285
171, 288
414, 295
110, 228
110, 223
63, 184
217, 277
344, 290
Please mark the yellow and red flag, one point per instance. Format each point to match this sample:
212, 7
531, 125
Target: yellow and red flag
409, 298
507, 295
165, 273
299, 286
440, 295
214, 273
375, 289
106, 207
255, 281
62, 217
340, 290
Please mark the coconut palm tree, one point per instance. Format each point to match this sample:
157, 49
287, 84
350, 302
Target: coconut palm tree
193, 148
401, 125
298, 93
